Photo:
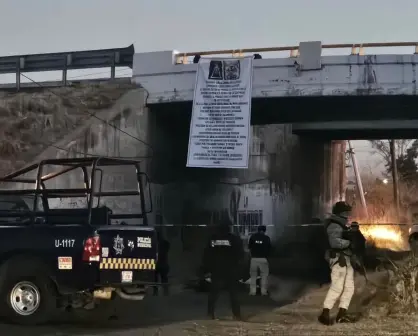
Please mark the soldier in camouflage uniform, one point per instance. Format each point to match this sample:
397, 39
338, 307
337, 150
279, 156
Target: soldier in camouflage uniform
338, 256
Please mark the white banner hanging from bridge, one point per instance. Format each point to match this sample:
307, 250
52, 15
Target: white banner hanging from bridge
220, 125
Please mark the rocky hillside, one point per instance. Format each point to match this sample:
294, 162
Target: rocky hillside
31, 121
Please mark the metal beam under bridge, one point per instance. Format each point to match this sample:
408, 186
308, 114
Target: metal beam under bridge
365, 129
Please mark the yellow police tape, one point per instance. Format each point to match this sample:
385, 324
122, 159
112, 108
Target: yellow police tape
127, 263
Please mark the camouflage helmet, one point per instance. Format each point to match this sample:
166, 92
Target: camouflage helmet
341, 207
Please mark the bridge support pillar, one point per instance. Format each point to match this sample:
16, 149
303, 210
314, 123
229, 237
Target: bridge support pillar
321, 175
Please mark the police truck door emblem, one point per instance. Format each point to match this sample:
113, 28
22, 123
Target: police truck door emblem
131, 244
118, 245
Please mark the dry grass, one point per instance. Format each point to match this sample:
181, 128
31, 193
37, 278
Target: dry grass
386, 304
398, 292
30, 120
380, 201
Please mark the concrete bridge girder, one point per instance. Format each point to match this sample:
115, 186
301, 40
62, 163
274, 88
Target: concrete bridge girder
362, 75
322, 175
299, 174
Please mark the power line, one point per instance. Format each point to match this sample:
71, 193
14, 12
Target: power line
64, 149
86, 153
92, 114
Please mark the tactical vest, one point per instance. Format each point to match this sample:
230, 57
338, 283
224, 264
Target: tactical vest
328, 247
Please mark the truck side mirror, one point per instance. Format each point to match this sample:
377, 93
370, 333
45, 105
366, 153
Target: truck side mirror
146, 185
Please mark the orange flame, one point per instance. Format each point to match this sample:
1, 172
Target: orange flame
389, 237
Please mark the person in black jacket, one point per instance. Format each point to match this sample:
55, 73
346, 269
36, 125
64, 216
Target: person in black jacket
260, 248
358, 241
162, 269
222, 258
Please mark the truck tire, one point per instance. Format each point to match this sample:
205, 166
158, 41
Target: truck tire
28, 296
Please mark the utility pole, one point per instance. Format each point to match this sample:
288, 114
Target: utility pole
358, 179
394, 176
343, 175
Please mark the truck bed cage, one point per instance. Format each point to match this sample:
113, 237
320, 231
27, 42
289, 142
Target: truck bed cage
65, 166
71, 164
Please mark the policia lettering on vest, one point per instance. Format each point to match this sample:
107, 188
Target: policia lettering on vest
341, 255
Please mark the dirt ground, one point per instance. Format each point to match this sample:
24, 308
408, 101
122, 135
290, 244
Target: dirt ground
291, 310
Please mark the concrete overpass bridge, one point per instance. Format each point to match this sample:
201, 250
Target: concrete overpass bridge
303, 105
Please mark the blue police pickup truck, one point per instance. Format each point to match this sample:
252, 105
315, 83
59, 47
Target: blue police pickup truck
72, 247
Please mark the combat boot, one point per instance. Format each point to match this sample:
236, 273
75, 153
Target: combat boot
343, 317
325, 318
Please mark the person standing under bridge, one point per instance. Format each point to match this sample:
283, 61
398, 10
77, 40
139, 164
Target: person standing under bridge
338, 255
260, 248
222, 258
163, 267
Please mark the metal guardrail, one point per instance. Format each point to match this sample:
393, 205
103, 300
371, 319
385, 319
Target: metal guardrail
64, 61
11, 87
356, 49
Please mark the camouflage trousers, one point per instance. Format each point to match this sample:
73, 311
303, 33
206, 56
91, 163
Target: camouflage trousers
342, 284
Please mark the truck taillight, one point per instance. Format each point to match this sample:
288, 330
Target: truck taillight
92, 249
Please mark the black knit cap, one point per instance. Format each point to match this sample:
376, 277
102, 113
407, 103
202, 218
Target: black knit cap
262, 228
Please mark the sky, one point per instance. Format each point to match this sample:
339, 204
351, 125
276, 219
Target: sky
43, 26
39, 26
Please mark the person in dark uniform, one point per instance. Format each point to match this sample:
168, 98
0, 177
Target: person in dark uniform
222, 258
260, 248
162, 268
358, 246
358, 241
196, 59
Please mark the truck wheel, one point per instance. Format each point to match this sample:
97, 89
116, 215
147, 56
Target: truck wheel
30, 300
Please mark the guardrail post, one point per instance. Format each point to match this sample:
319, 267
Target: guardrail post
184, 59
64, 72
113, 67
18, 75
